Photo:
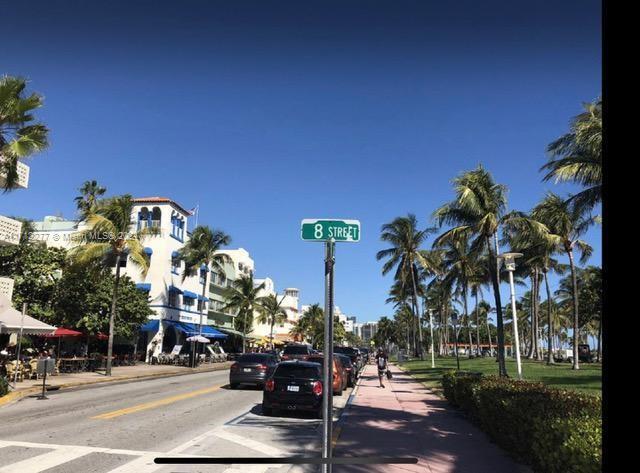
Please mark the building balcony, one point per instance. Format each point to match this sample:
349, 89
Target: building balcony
9, 231
6, 287
23, 177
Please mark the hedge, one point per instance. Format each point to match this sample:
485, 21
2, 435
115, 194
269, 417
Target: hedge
552, 430
4, 386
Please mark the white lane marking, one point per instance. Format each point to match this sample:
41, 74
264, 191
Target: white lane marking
252, 444
143, 464
45, 461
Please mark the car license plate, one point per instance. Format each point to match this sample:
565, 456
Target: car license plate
247, 370
295, 389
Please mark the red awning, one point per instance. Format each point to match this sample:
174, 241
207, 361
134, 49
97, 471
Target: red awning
64, 332
102, 336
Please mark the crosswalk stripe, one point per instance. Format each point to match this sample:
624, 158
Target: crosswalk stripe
46, 460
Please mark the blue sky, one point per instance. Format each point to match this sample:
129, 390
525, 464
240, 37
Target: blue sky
265, 113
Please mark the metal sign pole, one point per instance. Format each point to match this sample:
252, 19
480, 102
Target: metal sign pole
327, 387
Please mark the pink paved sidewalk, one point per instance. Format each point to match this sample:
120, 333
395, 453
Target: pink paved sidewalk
406, 420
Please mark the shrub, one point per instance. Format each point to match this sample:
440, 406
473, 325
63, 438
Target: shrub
4, 386
551, 429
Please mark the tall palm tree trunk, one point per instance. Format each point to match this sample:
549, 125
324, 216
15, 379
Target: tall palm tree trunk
536, 305
415, 302
576, 331
489, 334
466, 318
532, 316
599, 353
478, 352
112, 316
495, 282
550, 359
244, 332
273, 321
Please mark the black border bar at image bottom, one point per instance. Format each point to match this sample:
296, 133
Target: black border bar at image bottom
284, 460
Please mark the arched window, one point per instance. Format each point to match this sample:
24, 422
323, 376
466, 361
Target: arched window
156, 216
143, 218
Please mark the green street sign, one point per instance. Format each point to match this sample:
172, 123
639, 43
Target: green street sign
325, 229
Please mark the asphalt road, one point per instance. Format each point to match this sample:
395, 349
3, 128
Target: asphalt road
121, 428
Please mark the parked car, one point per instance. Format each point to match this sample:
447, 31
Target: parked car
340, 376
252, 368
354, 354
296, 352
349, 368
366, 354
295, 386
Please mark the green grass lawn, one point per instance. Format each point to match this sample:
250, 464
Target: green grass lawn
587, 379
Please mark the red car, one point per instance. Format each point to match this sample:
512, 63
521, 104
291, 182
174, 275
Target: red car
340, 376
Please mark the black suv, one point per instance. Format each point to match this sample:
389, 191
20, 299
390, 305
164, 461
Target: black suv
353, 354
296, 352
295, 386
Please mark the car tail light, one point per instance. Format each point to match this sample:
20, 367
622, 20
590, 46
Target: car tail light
285, 357
262, 368
269, 385
234, 367
305, 357
317, 388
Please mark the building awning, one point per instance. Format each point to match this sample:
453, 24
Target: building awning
148, 250
192, 329
144, 286
229, 330
200, 298
175, 254
175, 289
190, 295
11, 320
151, 326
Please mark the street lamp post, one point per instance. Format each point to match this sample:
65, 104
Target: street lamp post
510, 266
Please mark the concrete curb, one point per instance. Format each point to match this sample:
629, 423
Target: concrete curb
17, 395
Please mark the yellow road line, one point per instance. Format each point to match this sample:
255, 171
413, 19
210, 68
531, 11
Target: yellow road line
157, 403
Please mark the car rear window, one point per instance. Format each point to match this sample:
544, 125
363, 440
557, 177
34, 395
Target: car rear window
346, 350
297, 371
296, 350
254, 358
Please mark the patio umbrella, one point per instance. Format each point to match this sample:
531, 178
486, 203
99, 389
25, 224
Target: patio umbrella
63, 332
199, 339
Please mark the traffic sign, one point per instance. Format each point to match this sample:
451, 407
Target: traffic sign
313, 229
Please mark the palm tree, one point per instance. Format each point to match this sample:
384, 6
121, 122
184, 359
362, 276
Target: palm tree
479, 208
270, 312
577, 156
310, 325
243, 297
385, 333
405, 255
108, 241
89, 194
459, 264
202, 253
20, 136
566, 224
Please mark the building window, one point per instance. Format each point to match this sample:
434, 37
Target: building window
173, 299
202, 306
156, 217
203, 276
175, 265
177, 226
188, 303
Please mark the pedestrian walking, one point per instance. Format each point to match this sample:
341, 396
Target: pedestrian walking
381, 362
